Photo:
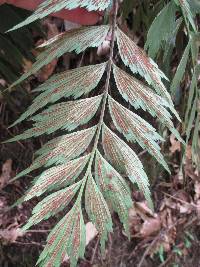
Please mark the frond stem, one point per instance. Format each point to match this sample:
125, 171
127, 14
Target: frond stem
105, 94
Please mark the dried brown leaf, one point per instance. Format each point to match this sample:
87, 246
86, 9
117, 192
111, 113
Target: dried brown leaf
197, 190
150, 227
175, 144
48, 69
6, 173
11, 235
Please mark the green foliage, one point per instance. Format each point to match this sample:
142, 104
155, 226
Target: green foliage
136, 59
165, 20
81, 170
187, 12
57, 177
97, 210
61, 150
180, 70
134, 128
188, 67
114, 188
15, 47
123, 157
69, 83
47, 7
52, 204
68, 236
75, 40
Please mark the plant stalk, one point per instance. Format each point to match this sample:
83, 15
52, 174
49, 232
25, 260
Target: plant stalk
105, 95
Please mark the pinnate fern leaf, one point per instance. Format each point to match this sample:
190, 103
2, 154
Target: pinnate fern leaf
67, 237
134, 128
187, 12
180, 70
73, 173
52, 204
60, 150
134, 57
77, 40
74, 83
52, 6
124, 159
141, 96
57, 177
161, 29
64, 115
114, 188
97, 210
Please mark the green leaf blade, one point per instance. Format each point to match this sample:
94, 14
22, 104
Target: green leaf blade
66, 116
141, 96
161, 29
75, 83
57, 177
51, 6
77, 40
135, 58
135, 129
126, 161
97, 210
61, 149
67, 237
114, 188
52, 204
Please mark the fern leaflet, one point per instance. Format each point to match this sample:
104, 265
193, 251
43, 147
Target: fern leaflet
184, 4
141, 96
137, 60
135, 128
67, 236
97, 210
49, 6
74, 40
68, 116
114, 188
57, 177
52, 204
73, 83
165, 20
126, 161
61, 149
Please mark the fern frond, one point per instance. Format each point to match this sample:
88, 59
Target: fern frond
192, 90
135, 58
76, 40
52, 6
135, 129
125, 160
180, 70
62, 149
161, 29
66, 116
97, 210
187, 12
114, 188
57, 177
67, 237
141, 96
75, 159
75, 83
52, 204
192, 117
196, 143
